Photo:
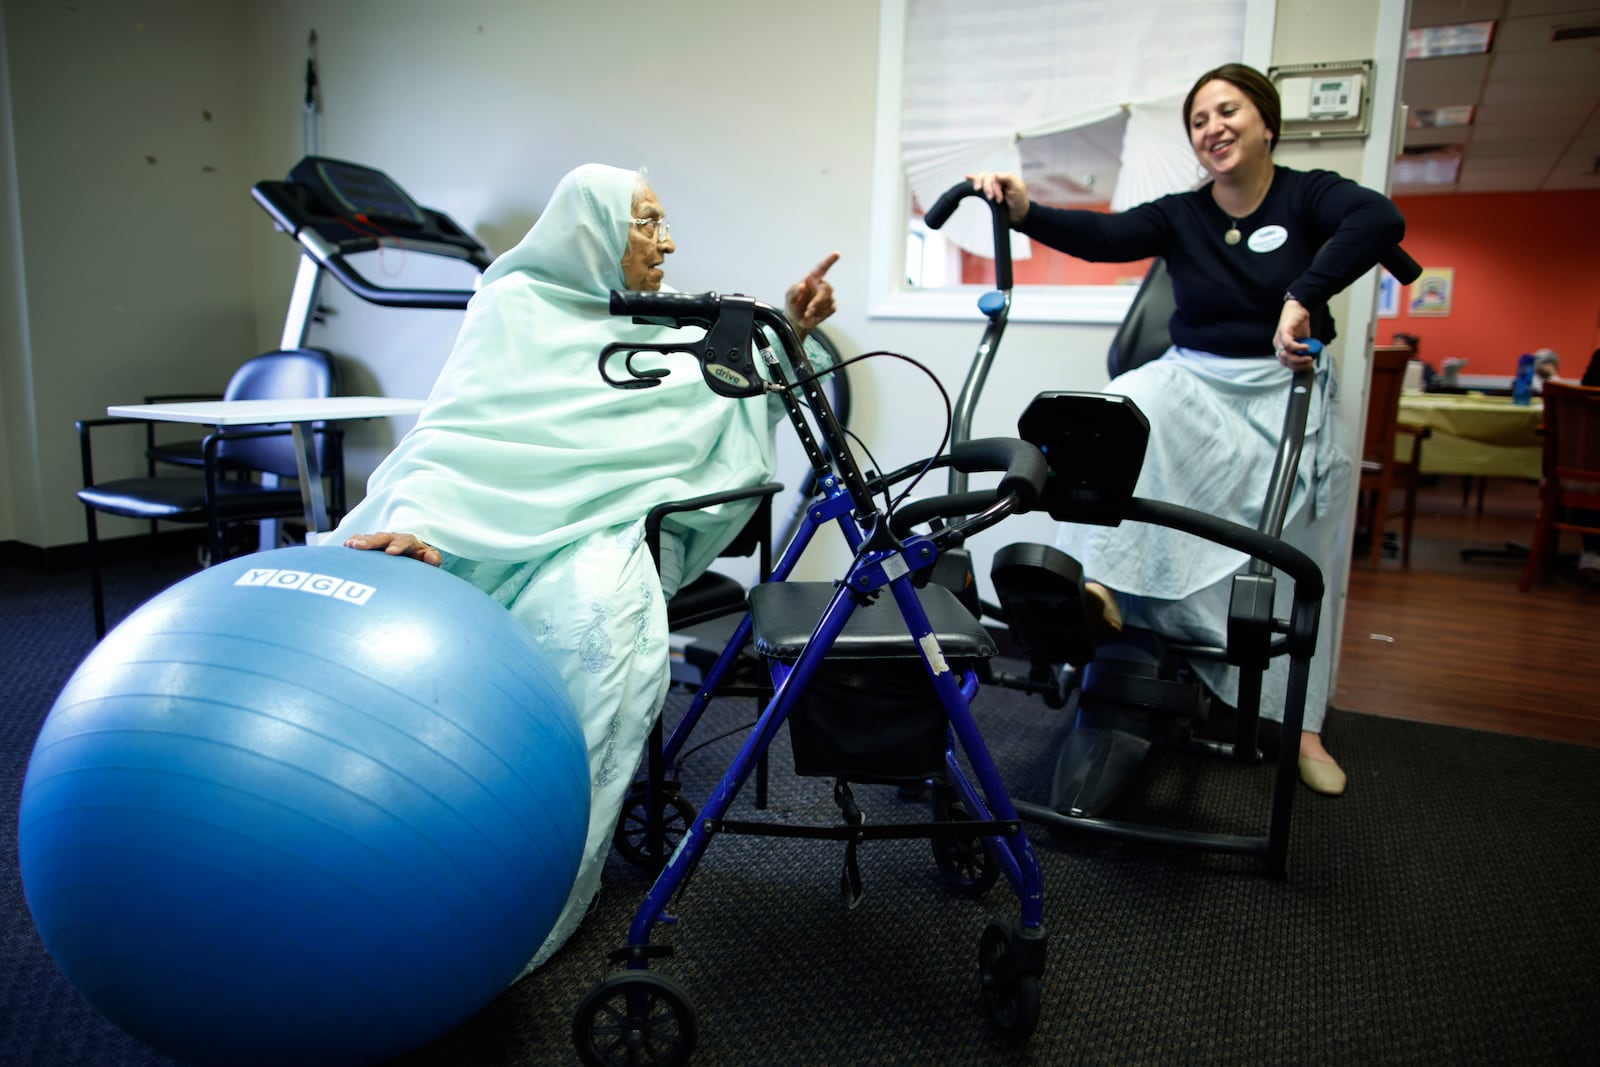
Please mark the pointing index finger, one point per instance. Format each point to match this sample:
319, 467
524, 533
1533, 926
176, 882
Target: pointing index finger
822, 268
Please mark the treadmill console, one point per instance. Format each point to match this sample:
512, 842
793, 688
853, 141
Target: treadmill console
356, 192
350, 208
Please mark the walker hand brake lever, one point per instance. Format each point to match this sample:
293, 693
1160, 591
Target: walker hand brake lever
725, 358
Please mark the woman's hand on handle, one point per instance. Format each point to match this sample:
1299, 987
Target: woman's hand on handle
999, 186
1294, 326
810, 300
397, 544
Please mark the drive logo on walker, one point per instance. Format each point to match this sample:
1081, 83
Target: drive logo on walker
306, 582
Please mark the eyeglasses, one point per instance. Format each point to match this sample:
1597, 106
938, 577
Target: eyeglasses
657, 228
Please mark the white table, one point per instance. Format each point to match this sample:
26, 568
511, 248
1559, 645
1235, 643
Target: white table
298, 413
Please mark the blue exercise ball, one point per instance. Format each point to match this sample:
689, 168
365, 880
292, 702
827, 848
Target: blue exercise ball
307, 806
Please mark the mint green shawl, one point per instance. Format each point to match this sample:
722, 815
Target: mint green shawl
522, 449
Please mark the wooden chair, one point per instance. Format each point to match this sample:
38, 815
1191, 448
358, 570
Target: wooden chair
1569, 496
1388, 462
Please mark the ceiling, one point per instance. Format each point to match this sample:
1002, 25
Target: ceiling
1537, 121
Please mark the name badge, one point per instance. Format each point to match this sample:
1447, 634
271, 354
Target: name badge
1267, 239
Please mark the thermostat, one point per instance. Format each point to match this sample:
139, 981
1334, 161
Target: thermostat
1324, 99
1335, 98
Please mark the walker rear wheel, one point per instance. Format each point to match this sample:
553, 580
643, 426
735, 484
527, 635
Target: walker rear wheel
635, 1019
965, 860
632, 836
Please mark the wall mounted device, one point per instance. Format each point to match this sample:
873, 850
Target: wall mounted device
1324, 100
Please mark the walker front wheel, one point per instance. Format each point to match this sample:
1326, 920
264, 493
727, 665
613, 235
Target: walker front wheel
635, 1019
1010, 986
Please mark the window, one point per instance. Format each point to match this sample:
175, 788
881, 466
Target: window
1074, 94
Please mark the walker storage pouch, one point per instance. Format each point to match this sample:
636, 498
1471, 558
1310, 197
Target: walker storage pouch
870, 713
869, 721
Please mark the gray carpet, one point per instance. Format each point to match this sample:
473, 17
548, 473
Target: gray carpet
1443, 911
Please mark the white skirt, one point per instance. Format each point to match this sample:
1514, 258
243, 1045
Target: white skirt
1214, 429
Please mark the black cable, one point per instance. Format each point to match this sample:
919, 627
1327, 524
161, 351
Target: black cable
311, 113
949, 419
683, 757
848, 432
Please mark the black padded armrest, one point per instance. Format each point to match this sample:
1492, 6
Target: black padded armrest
86, 447
656, 515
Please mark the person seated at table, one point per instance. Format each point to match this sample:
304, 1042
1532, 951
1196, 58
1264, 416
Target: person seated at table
1430, 377
1546, 365
530, 477
1254, 254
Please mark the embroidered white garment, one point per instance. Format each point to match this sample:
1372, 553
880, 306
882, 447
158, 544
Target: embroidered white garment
533, 476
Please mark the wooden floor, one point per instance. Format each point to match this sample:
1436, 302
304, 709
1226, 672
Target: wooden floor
1454, 642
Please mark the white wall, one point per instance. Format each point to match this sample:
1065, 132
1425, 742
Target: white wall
756, 122
129, 266
15, 436
1372, 29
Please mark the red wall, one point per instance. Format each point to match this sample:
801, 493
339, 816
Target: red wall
1527, 276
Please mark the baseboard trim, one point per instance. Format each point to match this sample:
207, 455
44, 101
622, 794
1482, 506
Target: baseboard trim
58, 558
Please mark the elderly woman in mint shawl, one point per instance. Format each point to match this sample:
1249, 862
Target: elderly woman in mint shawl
529, 477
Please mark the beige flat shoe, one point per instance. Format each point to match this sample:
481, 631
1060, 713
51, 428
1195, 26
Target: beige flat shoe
1322, 776
1105, 621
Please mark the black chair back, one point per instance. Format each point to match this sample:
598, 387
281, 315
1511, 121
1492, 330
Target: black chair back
1144, 335
292, 372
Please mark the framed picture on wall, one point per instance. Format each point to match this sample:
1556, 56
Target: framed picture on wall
1430, 293
1388, 295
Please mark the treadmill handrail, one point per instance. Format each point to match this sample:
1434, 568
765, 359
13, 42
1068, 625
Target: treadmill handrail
384, 296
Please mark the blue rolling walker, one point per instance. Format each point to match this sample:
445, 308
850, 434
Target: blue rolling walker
876, 688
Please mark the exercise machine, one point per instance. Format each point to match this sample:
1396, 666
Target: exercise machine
1136, 691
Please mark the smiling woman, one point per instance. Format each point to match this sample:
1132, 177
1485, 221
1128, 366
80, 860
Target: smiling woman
1230, 123
1076, 94
1254, 256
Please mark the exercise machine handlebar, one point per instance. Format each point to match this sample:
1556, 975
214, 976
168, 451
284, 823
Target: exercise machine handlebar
937, 215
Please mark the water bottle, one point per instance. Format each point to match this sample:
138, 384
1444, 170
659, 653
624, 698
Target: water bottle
1522, 384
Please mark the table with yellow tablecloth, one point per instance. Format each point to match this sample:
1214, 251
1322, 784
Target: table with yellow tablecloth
1477, 436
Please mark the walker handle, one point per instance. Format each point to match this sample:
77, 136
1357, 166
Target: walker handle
681, 309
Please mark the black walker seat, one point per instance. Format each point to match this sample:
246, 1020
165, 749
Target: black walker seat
821, 642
